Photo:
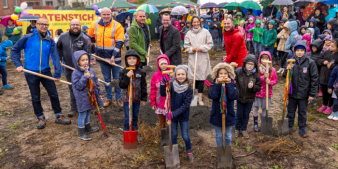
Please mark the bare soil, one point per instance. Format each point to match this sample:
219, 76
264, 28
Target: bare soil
22, 145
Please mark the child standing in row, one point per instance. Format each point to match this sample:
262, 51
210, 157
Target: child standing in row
5, 45
269, 39
257, 37
249, 35
282, 36
333, 89
182, 35
269, 78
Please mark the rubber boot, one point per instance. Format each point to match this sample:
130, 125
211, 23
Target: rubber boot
82, 134
320, 94
256, 129
90, 129
200, 101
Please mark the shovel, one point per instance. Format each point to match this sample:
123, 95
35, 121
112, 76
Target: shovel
45, 76
130, 137
148, 69
224, 154
104, 60
194, 99
283, 124
266, 122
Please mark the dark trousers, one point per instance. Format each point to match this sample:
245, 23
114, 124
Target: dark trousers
335, 105
282, 61
302, 109
142, 64
199, 85
34, 87
327, 98
3, 73
135, 111
242, 115
127, 47
68, 75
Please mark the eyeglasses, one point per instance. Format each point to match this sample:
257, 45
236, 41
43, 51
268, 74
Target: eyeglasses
75, 25
250, 64
166, 20
41, 24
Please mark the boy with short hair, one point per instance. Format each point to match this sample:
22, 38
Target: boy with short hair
5, 45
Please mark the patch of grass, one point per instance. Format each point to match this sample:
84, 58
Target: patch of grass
321, 115
333, 165
311, 118
3, 152
261, 138
15, 125
237, 143
276, 167
314, 144
334, 146
243, 167
248, 148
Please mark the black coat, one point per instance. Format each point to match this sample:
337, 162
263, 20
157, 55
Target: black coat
140, 85
321, 23
324, 71
29, 29
172, 45
268, 11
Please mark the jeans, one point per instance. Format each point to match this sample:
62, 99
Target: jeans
214, 40
83, 118
218, 135
222, 41
182, 43
3, 73
257, 47
242, 115
184, 132
270, 51
135, 111
107, 72
68, 75
34, 87
335, 105
302, 109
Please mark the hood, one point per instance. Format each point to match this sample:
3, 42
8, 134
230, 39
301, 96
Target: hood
304, 26
307, 37
284, 20
311, 30
251, 25
182, 23
239, 13
314, 21
264, 53
192, 10
321, 36
293, 26
225, 66
76, 57
333, 22
272, 22
160, 57
214, 16
177, 24
6, 44
251, 58
258, 22
301, 43
132, 52
319, 44
286, 25
328, 31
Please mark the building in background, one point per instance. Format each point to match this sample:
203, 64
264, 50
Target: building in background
54, 3
7, 6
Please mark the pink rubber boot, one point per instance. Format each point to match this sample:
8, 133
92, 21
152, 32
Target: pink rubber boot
321, 109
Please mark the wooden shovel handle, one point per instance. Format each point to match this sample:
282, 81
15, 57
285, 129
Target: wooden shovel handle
114, 64
68, 67
267, 87
45, 76
167, 72
291, 61
223, 123
130, 68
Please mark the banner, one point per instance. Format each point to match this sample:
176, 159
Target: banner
60, 19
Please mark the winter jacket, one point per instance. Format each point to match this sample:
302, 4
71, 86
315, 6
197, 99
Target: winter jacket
3, 54
126, 36
270, 11
324, 71
13, 38
300, 30
137, 40
172, 45
215, 29
237, 21
304, 77
272, 77
312, 33
282, 42
247, 95
181, 28
155, 96
30, 29
257, 37
333, 78
269, 37
80, 82
235, 46
139, 80
252, 25
179, 102
66, 47
190, 15
203, 40
316, 29
314, 55
321, 23
37, 51
299, 17
333, 25
293, 32
307, 37
185, 30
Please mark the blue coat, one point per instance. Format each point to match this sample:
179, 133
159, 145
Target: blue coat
3, 54
37, 52
317, 30
293, 29
232, 94
180, 102
79, 83
333, 78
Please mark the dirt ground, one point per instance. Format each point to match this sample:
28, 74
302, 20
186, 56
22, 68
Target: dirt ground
22, 145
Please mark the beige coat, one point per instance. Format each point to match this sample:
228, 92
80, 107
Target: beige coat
282, 42
203, 40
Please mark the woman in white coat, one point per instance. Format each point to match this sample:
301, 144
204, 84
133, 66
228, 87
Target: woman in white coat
198, 40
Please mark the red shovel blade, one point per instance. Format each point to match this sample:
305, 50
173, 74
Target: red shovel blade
130, 139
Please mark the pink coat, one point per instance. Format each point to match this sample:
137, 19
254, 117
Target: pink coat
250, 35
273, 79
155, 97
307, 37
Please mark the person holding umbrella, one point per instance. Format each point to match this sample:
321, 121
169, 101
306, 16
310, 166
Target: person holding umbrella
9, 32
270, 11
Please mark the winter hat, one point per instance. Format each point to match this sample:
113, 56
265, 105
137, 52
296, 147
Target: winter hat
328, 37
162, 60
183, 67
84, 27
300, 47
322, 36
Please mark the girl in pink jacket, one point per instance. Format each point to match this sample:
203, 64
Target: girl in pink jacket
270, 78
248, 36
156, 100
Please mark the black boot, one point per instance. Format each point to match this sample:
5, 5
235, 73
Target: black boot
256, 129
90, 129
82, 134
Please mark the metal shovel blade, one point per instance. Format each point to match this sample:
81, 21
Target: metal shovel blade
130, 139
147, 69
115, 83
164, 137
266, 124
172, 159
194, 101
224, 156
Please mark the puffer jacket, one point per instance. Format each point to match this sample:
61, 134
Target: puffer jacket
215, 29
282, 42
273, 79
257, 37
247, 95
248, 34
80, 82
139, 80
155, 96
304, 77
324, 71
316, 29
307, 37
269, 37
293, 32
3, 54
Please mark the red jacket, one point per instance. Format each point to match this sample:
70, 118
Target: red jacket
235, 46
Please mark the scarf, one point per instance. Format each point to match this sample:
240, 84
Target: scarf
178, 88
196, 30
250, 72
262, 69
11, 26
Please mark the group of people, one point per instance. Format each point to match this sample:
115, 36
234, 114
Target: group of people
315, 54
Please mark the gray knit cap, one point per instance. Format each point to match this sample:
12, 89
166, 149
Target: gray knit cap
183, 67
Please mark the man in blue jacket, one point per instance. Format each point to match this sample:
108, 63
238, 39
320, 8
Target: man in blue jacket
38, 46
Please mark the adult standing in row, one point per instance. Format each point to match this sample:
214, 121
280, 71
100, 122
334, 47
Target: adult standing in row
320, 18
139, 36
38, 46
109, 37
198, 40
170, 39
68, 43
270, 11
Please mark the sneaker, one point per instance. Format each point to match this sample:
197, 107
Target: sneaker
245, 134
7, 87
333, 114
321, 109
62, 120
256, 129
335, 118
302, 132
42, 124
237, 133
190, 155
328, 110
280, 70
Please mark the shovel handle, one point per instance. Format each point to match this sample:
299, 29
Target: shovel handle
223, 123
114, 64
167, 72
45, 76
267, 86
290, 61
194, 82
68, 67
